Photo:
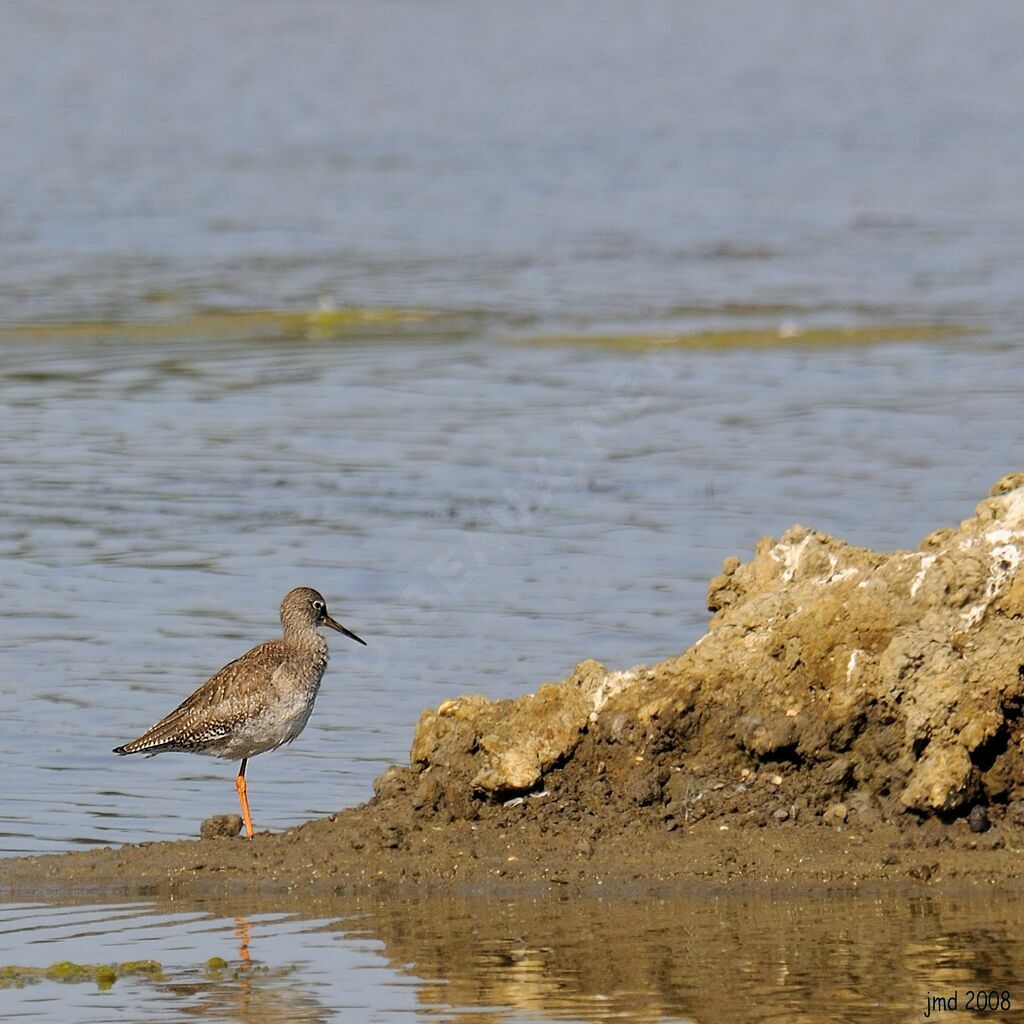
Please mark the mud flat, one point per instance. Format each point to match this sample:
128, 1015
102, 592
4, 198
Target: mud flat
850, 718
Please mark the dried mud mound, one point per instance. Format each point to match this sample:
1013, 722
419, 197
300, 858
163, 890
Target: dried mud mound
833, 682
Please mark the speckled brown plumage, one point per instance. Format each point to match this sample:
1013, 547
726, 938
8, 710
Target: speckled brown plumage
258, 701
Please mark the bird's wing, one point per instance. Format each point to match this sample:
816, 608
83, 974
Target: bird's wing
249, 674
237, 693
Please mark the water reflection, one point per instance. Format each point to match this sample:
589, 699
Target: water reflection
244, 934
233, 986
703, 959
700, 957
248, 991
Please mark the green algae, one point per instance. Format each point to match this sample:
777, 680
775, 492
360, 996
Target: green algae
150, 967
68, 972
328, 323
752, 338
323, 324
105, 977
214, 971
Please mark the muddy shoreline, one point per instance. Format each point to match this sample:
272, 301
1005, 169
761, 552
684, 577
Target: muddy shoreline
851, 718
518, 852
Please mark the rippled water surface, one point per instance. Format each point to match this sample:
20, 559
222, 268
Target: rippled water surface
485, 509
701, 959
592, 159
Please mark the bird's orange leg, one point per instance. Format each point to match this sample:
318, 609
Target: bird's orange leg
243, 799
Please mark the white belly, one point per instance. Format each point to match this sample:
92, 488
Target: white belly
280, 722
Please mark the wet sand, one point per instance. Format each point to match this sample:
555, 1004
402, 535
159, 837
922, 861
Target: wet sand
382, 845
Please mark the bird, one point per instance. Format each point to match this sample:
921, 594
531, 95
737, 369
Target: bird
256, 702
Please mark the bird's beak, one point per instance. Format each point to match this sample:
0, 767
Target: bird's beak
328, 621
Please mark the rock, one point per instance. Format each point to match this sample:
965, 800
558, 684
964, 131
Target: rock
393, 782
502, 748
390, 836
898, 676
781, 815
978, 819
429, 793
720, 592
941, 781
839, 772
768, 735
645, 790
1015, 814
864, 807
221, 826
836, 815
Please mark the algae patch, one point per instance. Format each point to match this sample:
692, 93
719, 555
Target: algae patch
326, 323
68, 972
784, 336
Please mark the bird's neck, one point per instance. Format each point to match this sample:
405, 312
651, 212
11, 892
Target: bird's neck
305, 637
310, 649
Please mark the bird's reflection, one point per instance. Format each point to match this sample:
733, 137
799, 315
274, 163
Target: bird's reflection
247, 990
243, 932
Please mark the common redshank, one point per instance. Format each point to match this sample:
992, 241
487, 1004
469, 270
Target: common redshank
258, 701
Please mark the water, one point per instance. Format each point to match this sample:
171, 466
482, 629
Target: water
696, 958
593, 160
484, 510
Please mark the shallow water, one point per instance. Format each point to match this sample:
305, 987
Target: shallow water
699, 958
485, 510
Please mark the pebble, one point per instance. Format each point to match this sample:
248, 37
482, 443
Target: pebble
221, 826
978, 819
836, 814
781, 815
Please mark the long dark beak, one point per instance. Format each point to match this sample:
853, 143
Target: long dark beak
328, 621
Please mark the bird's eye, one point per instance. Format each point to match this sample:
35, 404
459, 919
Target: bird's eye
319, 607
